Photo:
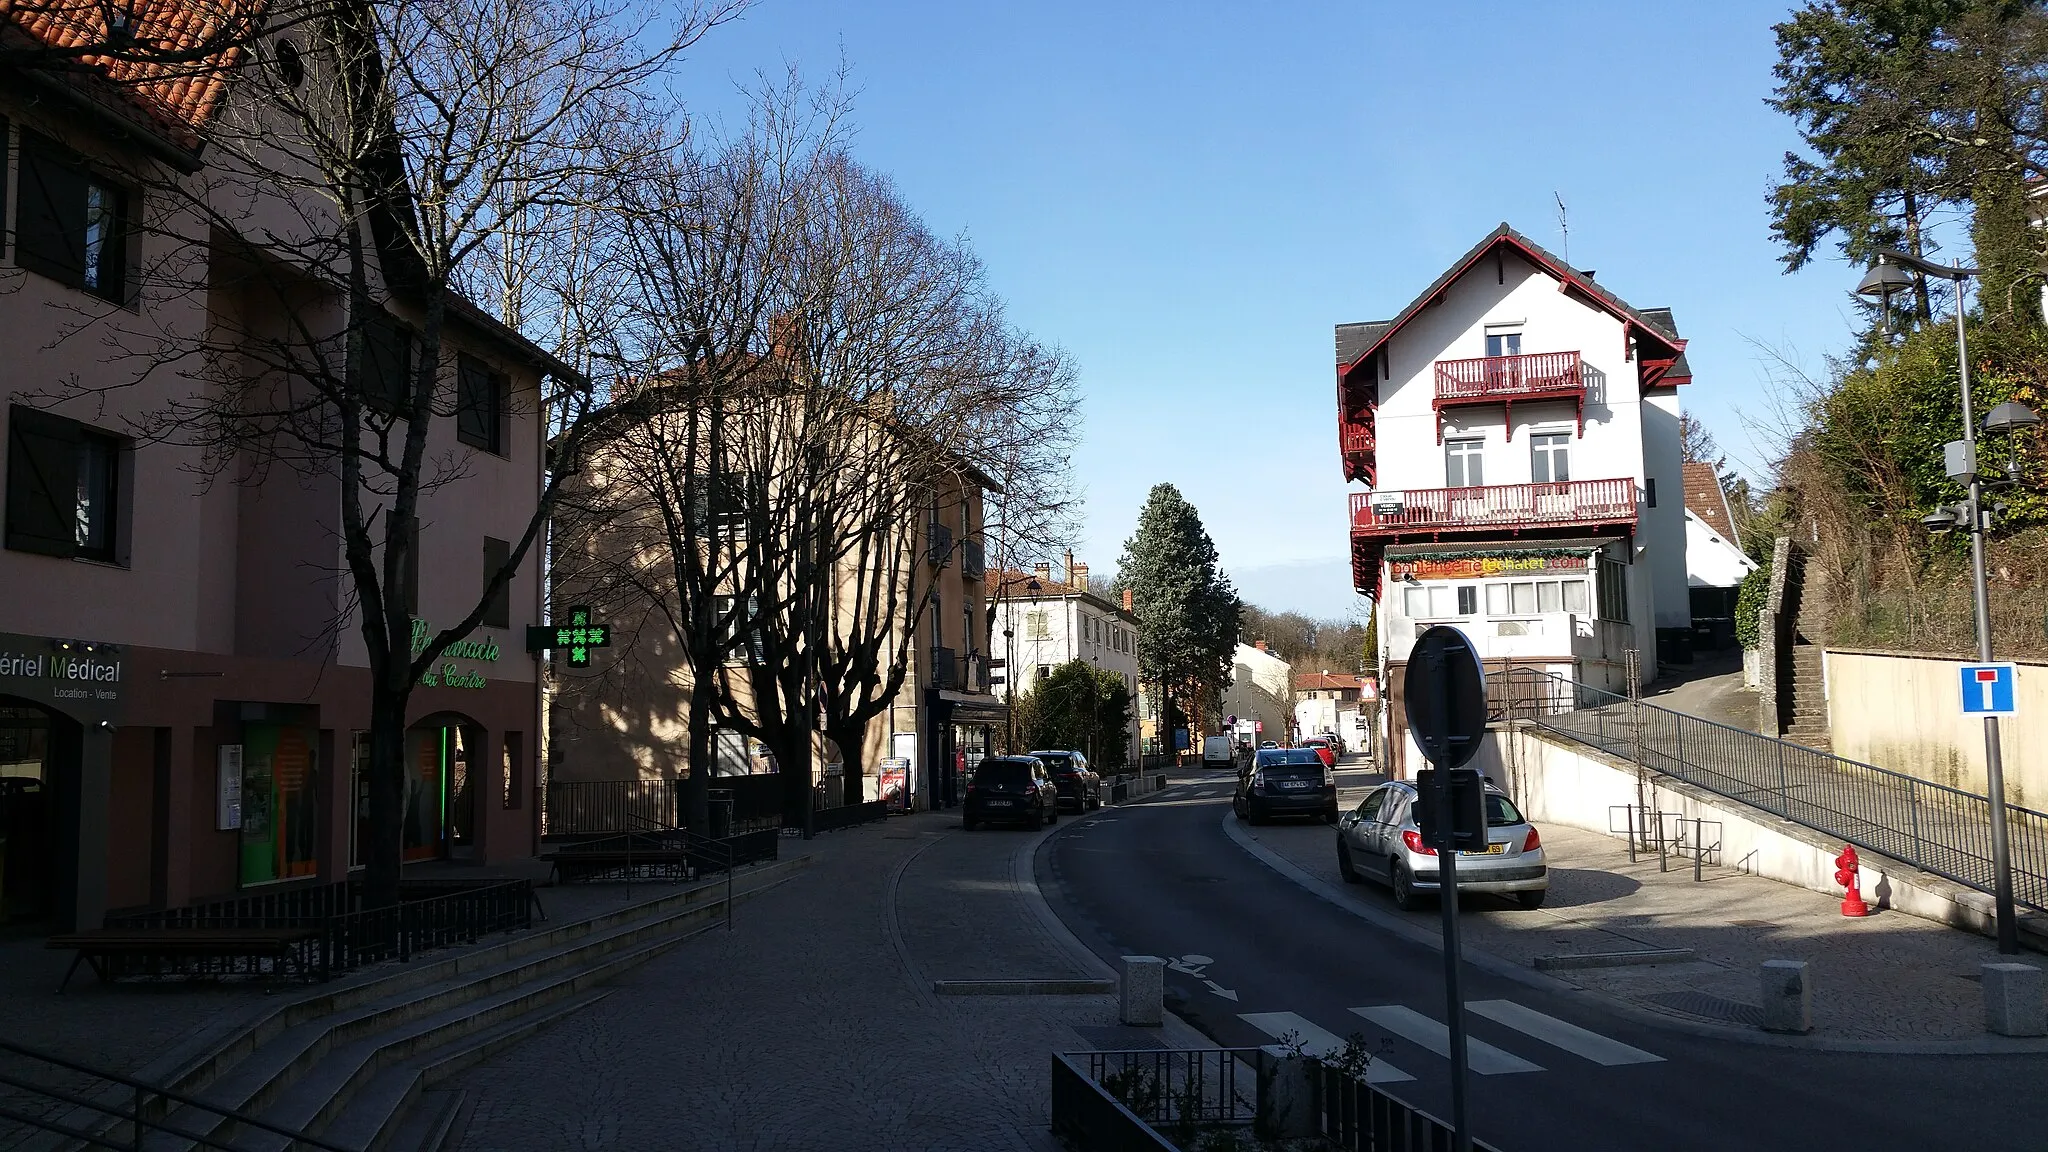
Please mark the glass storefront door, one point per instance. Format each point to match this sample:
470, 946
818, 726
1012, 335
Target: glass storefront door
280, 803
27, 861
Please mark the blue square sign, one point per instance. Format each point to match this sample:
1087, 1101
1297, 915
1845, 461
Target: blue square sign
1988, 689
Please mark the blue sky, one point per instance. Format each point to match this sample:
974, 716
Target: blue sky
1187, 196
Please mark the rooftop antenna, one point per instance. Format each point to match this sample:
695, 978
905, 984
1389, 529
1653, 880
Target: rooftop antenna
1564, 226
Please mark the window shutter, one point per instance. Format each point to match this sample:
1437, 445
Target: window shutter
473, 420
499, 613
387, 367
42, 483
50, 218
501, 414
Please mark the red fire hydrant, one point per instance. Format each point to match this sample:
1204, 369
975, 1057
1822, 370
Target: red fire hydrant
1845, 875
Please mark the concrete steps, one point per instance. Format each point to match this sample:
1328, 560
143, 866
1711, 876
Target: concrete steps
360, 1066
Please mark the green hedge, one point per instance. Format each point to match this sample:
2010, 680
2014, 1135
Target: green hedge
1750, 599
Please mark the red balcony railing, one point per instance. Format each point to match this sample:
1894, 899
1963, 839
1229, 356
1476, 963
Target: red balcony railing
1564, 503
1358, 438
1489, 378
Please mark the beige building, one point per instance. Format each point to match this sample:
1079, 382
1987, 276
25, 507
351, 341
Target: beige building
184, 694
625, 720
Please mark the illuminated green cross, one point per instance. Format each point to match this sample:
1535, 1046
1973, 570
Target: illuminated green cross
579, 635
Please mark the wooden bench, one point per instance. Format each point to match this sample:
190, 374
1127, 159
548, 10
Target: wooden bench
105, 948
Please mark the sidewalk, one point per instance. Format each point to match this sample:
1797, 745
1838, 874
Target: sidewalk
813, 1025
1888, 978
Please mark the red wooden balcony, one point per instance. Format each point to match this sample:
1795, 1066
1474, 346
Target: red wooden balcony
1358, 438
1510, 507
1507, 379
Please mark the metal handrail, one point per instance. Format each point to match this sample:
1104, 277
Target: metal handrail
138, 1119
730, 857
1934, 827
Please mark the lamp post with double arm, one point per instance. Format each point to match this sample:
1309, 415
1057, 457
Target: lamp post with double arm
1888, 276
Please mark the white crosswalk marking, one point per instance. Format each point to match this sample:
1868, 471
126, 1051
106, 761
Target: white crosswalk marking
1570, 1037
1480, 1056
1317, 1042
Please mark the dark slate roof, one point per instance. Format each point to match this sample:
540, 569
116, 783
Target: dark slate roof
1371, 336
1661, 317
1354, 339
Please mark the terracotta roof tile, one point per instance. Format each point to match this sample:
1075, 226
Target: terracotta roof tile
192, 45
1705, 499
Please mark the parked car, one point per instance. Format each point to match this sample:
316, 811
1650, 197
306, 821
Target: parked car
1379, 840
1286, 782
1012, 789
1324, 749
1270, 744
1078, 785
1217, 753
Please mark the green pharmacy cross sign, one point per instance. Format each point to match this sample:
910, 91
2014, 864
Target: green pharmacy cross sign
579, 636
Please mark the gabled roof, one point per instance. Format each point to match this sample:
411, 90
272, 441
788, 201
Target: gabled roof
1306, 681
1365, 339
180, 70
1706, 499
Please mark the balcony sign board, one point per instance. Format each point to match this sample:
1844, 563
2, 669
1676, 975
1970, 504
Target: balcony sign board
1470, 567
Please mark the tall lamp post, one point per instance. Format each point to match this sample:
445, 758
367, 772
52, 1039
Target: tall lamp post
1887, 276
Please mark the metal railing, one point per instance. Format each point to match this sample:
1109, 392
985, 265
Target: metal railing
1564, 502
939, 543
1933, 827
973, 559
1358, 437
582, 807
945, 670
430, 914
1174, 1098
1508, 377
102, 1109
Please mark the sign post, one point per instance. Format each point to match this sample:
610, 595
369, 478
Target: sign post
1445, 687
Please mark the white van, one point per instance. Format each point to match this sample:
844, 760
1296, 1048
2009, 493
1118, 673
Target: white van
1217, 752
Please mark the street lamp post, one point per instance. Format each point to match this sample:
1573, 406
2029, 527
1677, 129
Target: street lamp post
1886, 277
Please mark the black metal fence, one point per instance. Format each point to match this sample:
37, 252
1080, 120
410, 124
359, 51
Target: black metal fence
848, 815
430, 914
610, 807
1174, 1098
1939, 829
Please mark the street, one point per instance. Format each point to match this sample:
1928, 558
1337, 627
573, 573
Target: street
1550, 1073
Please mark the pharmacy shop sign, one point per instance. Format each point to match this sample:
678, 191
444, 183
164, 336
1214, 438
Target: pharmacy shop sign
451, 672
76, 677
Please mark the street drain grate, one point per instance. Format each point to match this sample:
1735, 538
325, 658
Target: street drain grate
1709, 1007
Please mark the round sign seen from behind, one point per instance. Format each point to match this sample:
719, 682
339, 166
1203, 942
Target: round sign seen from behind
1445, 687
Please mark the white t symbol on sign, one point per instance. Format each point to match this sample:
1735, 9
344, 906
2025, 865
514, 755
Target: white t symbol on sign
1987, 679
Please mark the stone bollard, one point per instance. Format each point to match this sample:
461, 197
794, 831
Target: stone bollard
1141, 991
1788, 996
1288, 1109
2013, 1003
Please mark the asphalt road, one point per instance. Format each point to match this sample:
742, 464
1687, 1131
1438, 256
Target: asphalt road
1161, 878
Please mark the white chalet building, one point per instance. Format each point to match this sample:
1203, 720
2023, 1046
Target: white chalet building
1515, 429
1042, 622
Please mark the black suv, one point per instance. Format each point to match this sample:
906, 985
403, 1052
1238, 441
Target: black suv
1286, 782
1079, 786
1010, 788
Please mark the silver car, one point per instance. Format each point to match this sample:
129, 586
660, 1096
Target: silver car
1379, 839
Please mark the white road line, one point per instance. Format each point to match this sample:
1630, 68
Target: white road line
1316, 1042
1480, 1056
1570, 1037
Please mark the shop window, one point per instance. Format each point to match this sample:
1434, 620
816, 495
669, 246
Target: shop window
63, 487
1613, 589
1468, 600
1496, 599
514, 776
1575, 598
70, 225
1549, 597
481, 400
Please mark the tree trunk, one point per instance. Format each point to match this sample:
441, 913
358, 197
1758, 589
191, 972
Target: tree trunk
696, 813
850, 752
383, 855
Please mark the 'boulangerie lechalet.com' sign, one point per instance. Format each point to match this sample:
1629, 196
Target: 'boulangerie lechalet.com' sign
1475, 567
69, 675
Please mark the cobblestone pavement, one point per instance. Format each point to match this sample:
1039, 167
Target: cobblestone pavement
813, 1024
1884, 977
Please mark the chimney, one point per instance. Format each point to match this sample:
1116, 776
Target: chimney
1078, 575
1043, 572
1259, 644
781, 335
1127, 595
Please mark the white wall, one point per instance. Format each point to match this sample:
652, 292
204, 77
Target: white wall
1409, 455
1662, 528
1711, 560
1067, 638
